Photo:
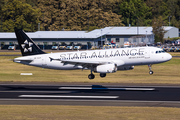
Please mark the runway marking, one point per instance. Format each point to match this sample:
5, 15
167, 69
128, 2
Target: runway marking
26, 74
86, 88
40, 91
89, 88
61, 96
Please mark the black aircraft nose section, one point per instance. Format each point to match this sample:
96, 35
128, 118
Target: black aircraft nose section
27, 45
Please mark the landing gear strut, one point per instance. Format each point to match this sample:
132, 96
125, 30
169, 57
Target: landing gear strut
150, 69
91, 76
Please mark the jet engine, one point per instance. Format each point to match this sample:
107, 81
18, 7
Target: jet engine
107, 68
125, 67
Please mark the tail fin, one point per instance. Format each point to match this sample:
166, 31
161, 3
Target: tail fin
26, 44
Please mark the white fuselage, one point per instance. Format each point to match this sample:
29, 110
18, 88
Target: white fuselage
119, 56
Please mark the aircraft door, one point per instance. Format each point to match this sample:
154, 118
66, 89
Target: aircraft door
147, 53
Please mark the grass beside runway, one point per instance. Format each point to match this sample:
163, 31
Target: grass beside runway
174, 53
165, 73
10, 52
61, 112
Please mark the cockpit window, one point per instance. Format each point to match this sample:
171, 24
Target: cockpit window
161, 51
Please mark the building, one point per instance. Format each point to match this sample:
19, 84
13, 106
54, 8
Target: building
96, 38
171, 32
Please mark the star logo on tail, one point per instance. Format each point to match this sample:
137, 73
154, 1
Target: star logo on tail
27, 46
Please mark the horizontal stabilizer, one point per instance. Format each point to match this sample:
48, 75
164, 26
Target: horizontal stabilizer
22, 59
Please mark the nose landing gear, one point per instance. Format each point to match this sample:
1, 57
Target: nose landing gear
150, 72
150, 69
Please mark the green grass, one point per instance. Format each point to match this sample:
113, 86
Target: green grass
45, 112
10, 53
174, 53
163, 73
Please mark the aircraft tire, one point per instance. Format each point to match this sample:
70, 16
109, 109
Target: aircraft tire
150, 72
102, 75
91, 76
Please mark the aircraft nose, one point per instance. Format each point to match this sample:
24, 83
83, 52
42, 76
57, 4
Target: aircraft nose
168, 56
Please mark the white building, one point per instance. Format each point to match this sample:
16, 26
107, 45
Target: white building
171, 32
118, 35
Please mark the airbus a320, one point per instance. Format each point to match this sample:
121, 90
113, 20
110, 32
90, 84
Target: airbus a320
97, 61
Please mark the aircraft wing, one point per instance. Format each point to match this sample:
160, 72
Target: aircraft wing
86, 63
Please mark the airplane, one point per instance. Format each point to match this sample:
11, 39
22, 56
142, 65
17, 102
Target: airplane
97, 61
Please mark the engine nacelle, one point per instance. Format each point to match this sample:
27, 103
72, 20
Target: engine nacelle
125, 67
107, 68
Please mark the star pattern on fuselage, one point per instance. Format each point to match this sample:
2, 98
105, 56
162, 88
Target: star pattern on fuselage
27, 46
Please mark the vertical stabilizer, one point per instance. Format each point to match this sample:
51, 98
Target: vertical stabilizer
26, 44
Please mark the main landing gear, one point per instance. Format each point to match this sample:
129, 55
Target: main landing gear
91, 76
102, 75
150, 69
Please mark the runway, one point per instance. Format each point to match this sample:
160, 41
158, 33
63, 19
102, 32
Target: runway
91, 95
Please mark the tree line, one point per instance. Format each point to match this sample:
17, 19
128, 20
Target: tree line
51, 15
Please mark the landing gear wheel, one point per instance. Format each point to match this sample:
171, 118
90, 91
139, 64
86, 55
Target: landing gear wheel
102, 75
91, 76
150, 69
150, 72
